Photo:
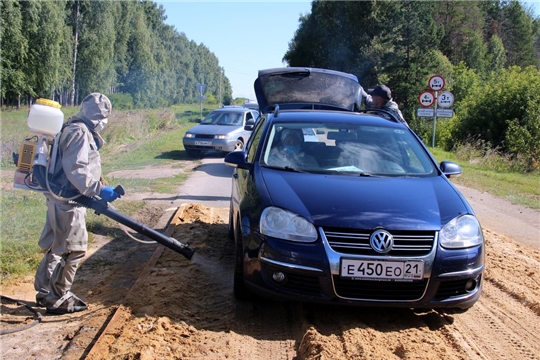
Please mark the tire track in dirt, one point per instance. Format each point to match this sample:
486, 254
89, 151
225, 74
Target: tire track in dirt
499, 327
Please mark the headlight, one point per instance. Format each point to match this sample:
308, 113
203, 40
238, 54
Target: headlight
188, 135
462, 232
282, 224
220, 137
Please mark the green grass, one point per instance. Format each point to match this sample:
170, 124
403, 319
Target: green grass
518, 188
22, 217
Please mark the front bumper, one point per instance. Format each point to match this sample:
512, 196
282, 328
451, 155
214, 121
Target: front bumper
209, 144
310, 272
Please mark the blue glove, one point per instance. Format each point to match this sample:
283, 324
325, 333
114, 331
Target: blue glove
108, 194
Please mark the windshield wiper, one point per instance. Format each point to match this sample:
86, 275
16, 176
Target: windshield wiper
290, 168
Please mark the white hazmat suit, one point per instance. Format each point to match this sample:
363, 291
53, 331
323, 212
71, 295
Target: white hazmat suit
64, 239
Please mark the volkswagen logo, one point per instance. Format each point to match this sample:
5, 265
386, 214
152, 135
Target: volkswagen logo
381, 241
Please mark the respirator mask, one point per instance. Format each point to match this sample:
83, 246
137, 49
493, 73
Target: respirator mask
101, 124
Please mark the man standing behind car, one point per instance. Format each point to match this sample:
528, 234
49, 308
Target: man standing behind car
64, 239
381, 98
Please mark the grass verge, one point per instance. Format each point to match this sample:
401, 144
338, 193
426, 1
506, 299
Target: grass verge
517, 188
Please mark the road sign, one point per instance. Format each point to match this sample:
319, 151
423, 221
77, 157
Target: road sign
445, 113
445, 99
200, 88
426, 99
436, 83
425, 112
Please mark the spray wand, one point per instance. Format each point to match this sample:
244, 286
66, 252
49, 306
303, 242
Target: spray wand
102, 207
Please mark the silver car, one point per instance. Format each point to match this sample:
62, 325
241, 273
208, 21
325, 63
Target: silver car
225, 129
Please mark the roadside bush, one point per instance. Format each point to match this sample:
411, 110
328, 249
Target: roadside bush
121, 101
480, 152
503, 97
523, 138
501, 110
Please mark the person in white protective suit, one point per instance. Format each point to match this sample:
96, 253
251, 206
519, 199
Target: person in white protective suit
64, 239
381, 98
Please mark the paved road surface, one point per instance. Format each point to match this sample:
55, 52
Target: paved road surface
209, 184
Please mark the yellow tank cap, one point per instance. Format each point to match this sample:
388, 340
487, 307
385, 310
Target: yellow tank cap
48, 102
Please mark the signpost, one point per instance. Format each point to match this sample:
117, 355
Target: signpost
201, 88
426, 99
446, 99
445, 113
436, 82
425, 112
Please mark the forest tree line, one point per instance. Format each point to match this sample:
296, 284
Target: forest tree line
64, 50
487, 51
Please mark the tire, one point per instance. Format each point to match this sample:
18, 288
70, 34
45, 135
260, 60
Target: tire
239, 145
193, 153
239, 288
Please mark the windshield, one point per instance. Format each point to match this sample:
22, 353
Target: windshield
348, 149
223, 118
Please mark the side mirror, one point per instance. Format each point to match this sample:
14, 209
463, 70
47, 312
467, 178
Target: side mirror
238, 159
250, 124
450, 168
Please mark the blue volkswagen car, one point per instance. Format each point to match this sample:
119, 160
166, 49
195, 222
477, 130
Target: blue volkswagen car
334, 204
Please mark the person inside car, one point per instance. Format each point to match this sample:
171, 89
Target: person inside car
288, 151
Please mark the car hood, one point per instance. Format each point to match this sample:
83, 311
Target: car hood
366, 202
300, 87
213, 129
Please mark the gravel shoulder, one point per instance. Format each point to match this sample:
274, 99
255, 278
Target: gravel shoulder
149, 302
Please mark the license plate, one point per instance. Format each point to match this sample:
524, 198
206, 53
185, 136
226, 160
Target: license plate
203, 143
382, 270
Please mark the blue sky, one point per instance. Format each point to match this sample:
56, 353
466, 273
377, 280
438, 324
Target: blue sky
245, 36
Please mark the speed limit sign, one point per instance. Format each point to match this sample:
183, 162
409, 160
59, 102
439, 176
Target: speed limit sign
436, 82
446, 99
426, 99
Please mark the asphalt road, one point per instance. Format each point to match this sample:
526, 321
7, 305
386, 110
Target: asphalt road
209, 184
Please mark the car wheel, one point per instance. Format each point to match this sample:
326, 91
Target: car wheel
193, 153
239, 288
239, 145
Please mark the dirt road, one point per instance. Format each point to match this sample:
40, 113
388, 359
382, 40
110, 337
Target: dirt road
149, 302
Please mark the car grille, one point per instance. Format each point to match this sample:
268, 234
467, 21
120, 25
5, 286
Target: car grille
203, 136
356, 242
379, 290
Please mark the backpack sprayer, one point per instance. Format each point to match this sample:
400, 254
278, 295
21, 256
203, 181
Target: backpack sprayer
45, 120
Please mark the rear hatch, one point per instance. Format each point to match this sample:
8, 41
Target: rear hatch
306, 88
